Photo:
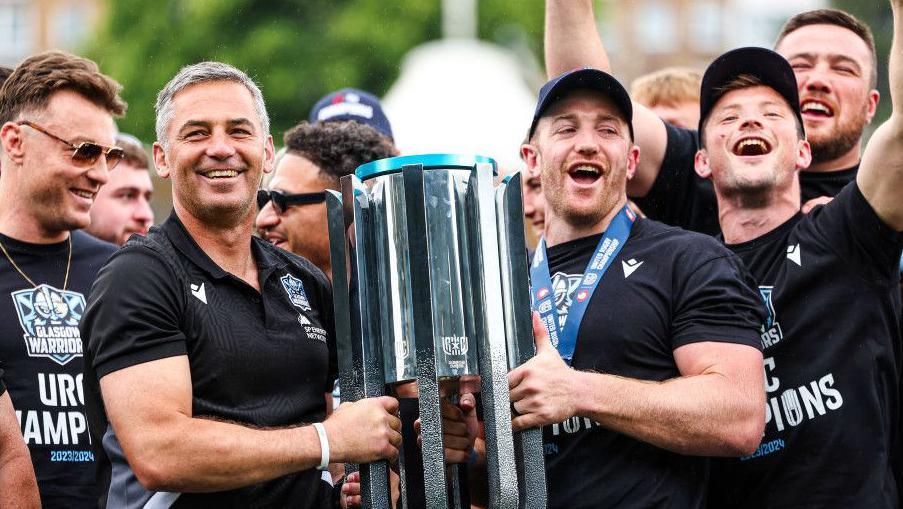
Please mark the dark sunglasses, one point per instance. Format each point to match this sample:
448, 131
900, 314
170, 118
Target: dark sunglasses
282, 201
85, 152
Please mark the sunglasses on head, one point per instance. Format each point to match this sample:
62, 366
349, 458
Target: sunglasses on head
85, 152
282, 201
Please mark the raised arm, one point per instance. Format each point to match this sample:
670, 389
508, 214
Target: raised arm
881, 173
18, 487
572, 41
169, 449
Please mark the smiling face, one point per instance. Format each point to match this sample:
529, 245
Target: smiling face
833, 68
583, 152
216, 152
300, 229
55, 191
752, 146
123, 205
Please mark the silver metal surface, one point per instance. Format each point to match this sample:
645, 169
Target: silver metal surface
490, 332
434, 478
365, 348
519, 327
433, 264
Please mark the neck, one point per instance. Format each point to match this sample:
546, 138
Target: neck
229, 246
844, 162
558, 230
740, 223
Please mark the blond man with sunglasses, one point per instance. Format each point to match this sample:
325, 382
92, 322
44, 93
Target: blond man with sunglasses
56, 113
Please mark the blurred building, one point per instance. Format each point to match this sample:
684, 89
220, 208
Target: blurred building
646, 35
30, 26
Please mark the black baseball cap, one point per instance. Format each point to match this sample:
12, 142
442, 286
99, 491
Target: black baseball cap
770, 68
585, 78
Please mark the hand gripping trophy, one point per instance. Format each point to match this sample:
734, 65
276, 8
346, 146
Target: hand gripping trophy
431, 285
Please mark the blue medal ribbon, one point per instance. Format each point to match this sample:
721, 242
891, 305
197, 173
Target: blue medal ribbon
542, 295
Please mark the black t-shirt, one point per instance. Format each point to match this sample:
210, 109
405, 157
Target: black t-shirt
666, 288
825, 183
264, 359
832, 352
680, 197
41, 353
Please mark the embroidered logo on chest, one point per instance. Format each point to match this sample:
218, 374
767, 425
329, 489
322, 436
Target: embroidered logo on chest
295, 290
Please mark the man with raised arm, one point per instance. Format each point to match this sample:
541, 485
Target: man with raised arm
209, 351
655, 330
833, 57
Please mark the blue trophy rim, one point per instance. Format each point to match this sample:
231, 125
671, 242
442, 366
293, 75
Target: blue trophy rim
429, 161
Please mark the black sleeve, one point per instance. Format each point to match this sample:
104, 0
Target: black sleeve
851, 228
680, 197
2, 385
717, 300
132, 315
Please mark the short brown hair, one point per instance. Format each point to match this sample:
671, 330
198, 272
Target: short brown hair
740, 82
338, 148
838, 18
135, 154
4, 73
35, 80
670, 87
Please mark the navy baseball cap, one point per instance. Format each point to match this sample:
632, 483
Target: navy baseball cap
770, 68
352, 104
585, 78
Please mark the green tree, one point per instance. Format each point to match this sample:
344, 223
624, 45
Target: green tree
296, 50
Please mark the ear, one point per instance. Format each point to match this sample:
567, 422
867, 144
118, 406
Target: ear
874, 97
701, 164
160, 160
633, 159
803, 155
12, 140
269, 155
531, 157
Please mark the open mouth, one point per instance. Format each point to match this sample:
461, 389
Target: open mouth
275, 239
220, 174
88, 195
815, 108
585, 173
752, 146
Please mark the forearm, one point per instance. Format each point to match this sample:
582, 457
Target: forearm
571, 37
18, 487
199, 455
706, 414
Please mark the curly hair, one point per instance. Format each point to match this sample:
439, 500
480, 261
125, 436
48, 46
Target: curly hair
36, 79
338, 148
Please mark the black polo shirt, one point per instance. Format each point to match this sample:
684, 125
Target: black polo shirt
263, 359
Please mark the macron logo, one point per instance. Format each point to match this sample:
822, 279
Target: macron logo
630, 266
199, 292
793, 254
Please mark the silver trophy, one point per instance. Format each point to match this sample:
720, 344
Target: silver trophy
431, 285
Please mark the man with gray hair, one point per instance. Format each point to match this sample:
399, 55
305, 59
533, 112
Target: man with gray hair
208, 351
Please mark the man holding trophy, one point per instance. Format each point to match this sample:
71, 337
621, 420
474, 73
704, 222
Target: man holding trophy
656, 356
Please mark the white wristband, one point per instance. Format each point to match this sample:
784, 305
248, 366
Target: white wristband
324, 446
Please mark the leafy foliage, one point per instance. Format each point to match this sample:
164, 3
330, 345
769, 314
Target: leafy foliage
296, 50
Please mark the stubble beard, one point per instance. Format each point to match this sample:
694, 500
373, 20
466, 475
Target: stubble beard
840, 140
